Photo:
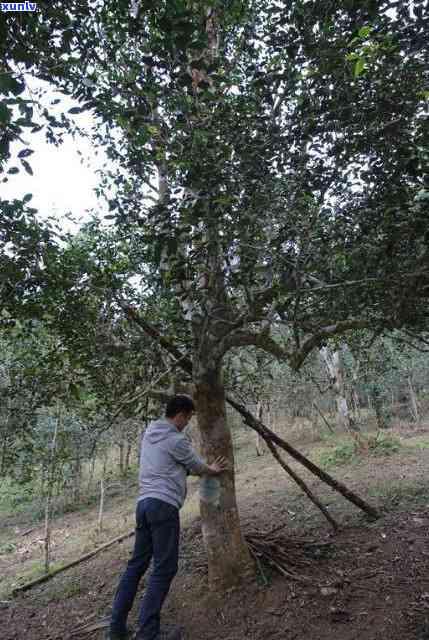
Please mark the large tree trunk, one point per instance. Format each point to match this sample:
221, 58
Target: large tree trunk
48, 498
334, 369
377, 402
229, 560
77, 475
413, 399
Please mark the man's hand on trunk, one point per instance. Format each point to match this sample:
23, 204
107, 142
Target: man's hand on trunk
218, 466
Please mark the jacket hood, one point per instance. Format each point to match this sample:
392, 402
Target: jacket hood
159, 430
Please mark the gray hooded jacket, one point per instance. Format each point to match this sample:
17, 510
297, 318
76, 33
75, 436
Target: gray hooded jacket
166, 458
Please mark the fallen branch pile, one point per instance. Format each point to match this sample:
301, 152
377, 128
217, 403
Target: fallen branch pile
274, 551
290, 556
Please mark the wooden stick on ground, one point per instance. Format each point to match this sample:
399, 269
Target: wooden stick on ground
87, 629
87, 556
270, 436
302, 484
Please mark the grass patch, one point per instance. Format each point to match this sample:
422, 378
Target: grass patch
337, 455
383, 444
36, 570
61, 591
418, 442
380, 444
398, 493
20, 502
7, 548
14, 497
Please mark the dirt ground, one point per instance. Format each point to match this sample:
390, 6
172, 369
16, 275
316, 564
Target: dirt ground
372, 584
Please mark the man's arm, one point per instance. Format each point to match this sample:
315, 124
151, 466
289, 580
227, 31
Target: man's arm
184, 454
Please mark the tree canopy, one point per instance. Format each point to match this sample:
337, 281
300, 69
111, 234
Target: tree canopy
291, 141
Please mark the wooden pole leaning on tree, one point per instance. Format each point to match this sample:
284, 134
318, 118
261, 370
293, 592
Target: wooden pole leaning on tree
270, 437
302, 485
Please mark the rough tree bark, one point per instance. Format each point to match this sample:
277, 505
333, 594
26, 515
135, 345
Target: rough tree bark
229, 560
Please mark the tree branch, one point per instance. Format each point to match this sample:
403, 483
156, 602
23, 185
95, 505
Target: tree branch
134, 316
310, 343
262, 340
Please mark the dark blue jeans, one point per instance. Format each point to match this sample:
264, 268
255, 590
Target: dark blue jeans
157, 536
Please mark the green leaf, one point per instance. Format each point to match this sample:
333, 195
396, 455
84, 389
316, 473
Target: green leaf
13, 171
23, 122
25, 153
75, 391
5, 113
359, 68
365, 31
17, 87
8, 84
27, 198
75, 110
27, 167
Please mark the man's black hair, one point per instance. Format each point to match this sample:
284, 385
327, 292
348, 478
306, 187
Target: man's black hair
177, 404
